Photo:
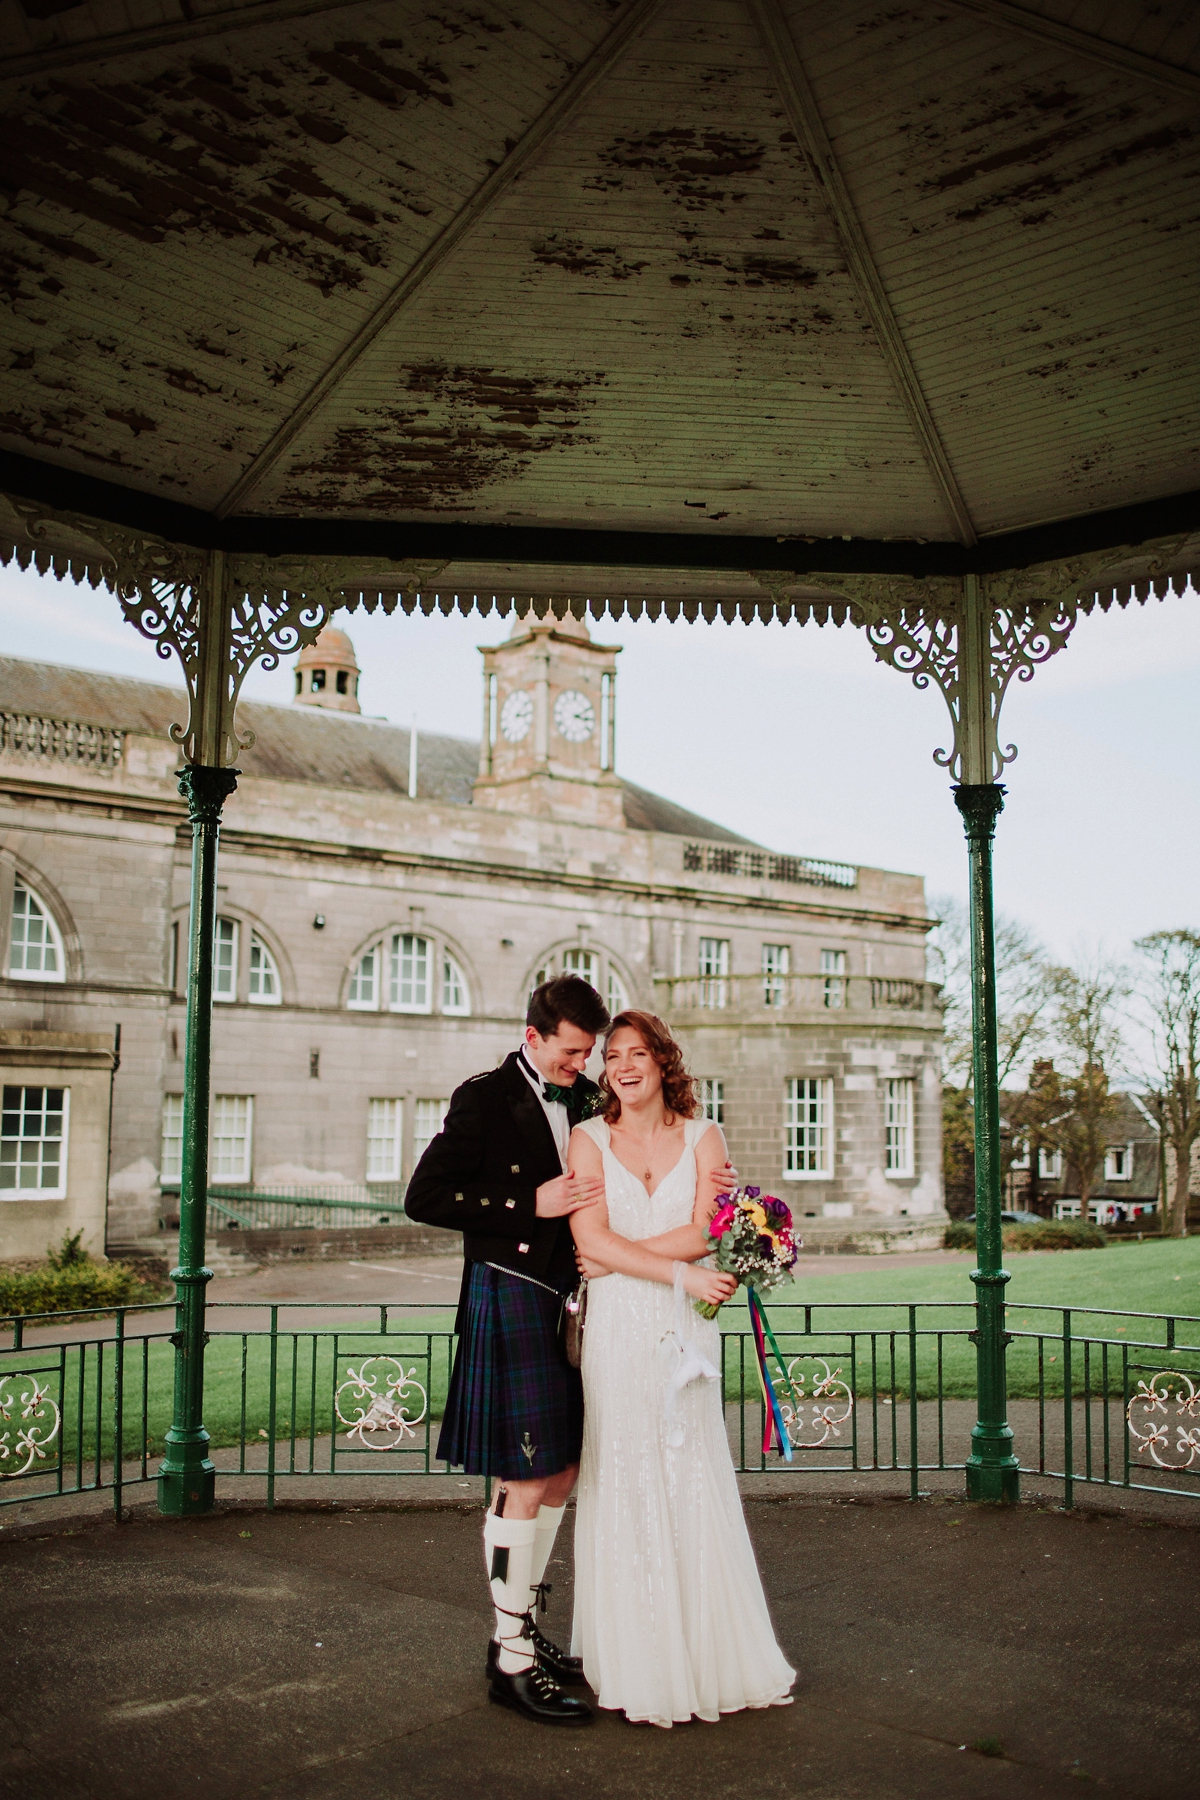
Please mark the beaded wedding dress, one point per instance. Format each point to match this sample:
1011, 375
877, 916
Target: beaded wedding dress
670, 1617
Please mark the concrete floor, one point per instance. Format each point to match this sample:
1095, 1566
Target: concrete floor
336, 1655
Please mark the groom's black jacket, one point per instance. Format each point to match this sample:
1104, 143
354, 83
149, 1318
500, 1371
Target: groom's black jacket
480, 1176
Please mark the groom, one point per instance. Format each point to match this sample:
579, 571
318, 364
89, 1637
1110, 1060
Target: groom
514, 1410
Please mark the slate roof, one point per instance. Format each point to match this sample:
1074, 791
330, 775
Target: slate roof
303, 743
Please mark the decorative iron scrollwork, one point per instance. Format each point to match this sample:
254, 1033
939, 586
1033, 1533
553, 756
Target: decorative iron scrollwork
1147, 1417
29, 1422
828, 1400
381, 1418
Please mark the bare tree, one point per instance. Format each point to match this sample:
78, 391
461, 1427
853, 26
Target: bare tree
1088, 1029
1170, 992
1023, 993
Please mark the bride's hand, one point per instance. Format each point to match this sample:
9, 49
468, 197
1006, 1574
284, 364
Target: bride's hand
709, 1285
588, 1267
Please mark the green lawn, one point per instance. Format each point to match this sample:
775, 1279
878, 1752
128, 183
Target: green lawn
859, 1322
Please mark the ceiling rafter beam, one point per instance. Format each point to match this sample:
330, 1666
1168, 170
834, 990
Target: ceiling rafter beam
806, 122
581, 84
154, 37
1069, 37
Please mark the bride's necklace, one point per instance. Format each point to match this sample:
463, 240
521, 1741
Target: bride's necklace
649, 1175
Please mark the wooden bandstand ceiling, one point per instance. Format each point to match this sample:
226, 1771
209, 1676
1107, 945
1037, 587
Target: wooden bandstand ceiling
665, 296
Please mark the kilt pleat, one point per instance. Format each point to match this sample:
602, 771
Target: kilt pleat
514, 1408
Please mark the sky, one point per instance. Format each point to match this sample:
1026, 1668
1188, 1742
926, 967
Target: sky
796, 737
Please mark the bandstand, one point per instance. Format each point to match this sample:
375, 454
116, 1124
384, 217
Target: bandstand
713, 309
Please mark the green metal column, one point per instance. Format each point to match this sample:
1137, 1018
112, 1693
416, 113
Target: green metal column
992, 1465
186, 1477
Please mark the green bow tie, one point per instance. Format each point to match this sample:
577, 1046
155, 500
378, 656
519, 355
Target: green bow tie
551, 1093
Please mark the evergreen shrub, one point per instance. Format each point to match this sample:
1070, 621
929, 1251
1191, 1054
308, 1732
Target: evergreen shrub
79, 1286
1047, 1234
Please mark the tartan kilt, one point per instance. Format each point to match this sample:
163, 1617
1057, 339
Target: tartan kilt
514, 1408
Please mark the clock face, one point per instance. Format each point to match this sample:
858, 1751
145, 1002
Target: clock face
573, 716
516, 716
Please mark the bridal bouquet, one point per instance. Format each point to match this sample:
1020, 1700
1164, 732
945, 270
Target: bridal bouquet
753, 1240
752, 1237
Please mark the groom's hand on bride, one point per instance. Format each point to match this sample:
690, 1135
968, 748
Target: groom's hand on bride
566, 1194
588, 1267
720, 1182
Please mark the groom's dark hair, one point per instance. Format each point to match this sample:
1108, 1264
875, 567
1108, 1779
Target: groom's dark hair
566, 997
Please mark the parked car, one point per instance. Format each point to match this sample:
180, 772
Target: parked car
1013, 1218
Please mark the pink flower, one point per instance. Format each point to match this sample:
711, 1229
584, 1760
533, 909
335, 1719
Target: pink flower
722, 1220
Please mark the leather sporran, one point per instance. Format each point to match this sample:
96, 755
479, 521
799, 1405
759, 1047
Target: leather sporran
571, 1322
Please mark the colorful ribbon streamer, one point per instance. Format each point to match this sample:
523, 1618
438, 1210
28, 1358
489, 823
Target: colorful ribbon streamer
772, 1416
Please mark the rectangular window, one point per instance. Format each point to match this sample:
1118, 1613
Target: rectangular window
776, 966
898, 1128
385, 1124
807, 1128
714, 970
617, 1001
1020, 1154
225, 951
427, 1122
175, 957
710, 1091
172, 1138
833, 971
410, 987
1050, 1165
585, 964
1118, 1162
33, 1143
232, 1130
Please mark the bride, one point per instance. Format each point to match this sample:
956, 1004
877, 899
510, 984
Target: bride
670, 1617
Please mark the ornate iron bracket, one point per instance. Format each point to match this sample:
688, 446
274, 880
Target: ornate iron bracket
220, 615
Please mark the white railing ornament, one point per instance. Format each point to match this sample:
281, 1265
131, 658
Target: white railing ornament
387, 1418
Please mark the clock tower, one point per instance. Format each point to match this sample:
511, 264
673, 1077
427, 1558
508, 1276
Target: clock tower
549, 724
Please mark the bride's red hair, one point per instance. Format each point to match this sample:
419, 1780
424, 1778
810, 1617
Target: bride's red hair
679, 1094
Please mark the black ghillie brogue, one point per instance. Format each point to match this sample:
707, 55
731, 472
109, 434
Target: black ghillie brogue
538, 1696
566, 1670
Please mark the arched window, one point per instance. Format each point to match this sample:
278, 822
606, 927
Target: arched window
225, 961
456, 996
264, 987
616, 999
411, 989
364, 983
35, 944
595, 967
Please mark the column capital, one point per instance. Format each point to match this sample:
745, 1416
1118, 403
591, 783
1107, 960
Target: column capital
980, 804
206, 791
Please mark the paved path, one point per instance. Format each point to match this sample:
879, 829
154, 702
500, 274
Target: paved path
336, 1656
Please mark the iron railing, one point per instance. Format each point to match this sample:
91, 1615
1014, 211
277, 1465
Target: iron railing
770, 993
321, 1209
324, 1391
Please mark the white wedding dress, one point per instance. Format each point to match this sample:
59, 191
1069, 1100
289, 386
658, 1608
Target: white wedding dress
670, 1617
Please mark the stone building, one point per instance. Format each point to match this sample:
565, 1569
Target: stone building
385, 908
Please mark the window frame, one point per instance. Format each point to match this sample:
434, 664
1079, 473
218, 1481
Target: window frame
1115, 1150
450, 962
53, 934
259, 943
714, 981
824, 1125
710, 1092
395, 1138
420, 1142
59, 1192
395, 956
776, 967
374, 950
215, 1177
171, 1177
1047, 1155
220, 996
833, 978
899, 1127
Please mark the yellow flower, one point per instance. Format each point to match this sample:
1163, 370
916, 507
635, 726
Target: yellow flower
758, 1217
